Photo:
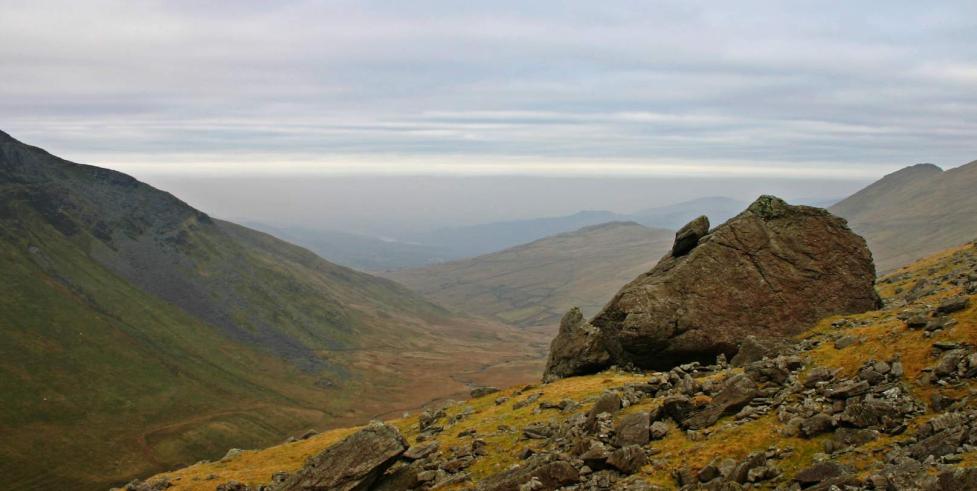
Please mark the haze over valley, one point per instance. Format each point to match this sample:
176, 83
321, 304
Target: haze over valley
331, 245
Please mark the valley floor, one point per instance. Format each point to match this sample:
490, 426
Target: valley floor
870, 392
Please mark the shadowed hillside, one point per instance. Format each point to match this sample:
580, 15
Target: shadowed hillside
139, 333
536, 283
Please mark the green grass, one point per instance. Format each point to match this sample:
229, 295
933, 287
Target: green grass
137, 334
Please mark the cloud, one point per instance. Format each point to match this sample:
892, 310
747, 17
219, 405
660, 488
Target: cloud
602, 88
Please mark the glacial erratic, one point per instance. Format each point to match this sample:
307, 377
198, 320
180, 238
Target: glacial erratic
769, 272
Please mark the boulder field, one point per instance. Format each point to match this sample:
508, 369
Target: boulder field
879, 400
769, 272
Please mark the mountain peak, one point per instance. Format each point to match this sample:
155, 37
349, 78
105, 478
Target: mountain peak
916, 170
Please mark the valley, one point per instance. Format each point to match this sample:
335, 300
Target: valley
141, 334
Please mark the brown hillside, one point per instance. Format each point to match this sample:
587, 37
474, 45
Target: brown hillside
902, 376
914, 212
535, 283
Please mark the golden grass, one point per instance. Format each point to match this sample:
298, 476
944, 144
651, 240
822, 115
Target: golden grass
883, 337
254, 467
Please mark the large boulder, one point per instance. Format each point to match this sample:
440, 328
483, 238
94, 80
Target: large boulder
771, 271
354, 463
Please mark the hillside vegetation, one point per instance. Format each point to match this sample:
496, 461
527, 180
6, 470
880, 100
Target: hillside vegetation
914, 351
535, 283
139, 334
914, 212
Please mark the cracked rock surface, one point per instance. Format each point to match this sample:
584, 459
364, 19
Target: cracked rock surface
771, 271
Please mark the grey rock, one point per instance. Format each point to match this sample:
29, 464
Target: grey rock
551, 471
820, 472
421, 450
577, 348
633, 429
737, 392
627, 459
352, 464
951, 305
688, 236
482, 391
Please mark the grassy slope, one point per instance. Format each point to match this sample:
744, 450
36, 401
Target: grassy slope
914, 212
883, 336
90, 364
537, 283
138, 334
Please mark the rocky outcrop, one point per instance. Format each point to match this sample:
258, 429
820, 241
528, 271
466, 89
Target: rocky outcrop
355, 463
770, 272
688, 236
576, 348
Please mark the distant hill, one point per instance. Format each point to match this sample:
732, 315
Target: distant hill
863, 401
475, 240
536, 283
718, 209
360, 251
137, 333
914, 212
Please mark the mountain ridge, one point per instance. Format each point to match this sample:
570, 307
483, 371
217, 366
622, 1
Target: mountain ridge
913, 212
140, 333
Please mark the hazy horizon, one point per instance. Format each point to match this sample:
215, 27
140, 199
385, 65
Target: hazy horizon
397, 207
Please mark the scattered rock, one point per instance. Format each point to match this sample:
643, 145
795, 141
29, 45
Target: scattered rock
738, 391
633, 429
951, 305
354, 463
627, 459
421, 450
549, 470
233, 486
820, 472
482, 391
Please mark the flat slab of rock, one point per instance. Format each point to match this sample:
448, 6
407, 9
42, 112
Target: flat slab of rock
550, 472
738, 392
352, 464
772, 271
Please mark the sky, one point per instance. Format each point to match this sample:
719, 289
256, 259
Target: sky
749, 89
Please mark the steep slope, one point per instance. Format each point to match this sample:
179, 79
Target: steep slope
914, 212
535, 283
878, 400
138, 333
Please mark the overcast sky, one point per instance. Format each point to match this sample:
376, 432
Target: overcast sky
750, 88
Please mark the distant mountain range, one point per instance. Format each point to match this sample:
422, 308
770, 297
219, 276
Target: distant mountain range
357, 251
914, 212
453, 243
538, 282
137, 333
718, 209
480, 239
